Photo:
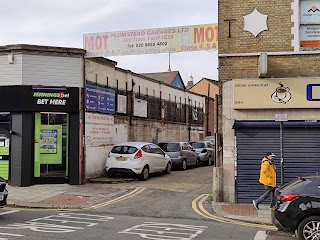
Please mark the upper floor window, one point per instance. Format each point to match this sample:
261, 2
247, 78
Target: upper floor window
309, 24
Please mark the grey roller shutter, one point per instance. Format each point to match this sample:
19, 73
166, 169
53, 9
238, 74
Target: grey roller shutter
301, 151
252, 145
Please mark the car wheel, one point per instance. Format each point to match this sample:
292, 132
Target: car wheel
168, 168
309, 228
197, 162
184, 164
145, 174
209, 161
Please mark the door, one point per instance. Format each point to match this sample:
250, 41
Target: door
51, 146
4, 145
157, 156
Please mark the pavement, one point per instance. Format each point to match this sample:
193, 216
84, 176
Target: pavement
65, 196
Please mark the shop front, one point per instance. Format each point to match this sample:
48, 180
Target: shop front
278, 115
36, 138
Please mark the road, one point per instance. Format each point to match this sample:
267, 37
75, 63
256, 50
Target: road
164, 207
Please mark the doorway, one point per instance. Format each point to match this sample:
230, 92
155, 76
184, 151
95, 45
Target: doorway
51, 147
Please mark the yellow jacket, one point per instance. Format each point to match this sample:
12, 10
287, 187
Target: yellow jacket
268, 175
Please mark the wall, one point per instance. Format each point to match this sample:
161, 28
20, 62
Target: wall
11, 74
239, 57
52, 70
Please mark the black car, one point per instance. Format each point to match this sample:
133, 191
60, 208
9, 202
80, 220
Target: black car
298, 207
3, 193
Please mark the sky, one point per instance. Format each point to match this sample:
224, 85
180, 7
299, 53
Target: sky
62, 23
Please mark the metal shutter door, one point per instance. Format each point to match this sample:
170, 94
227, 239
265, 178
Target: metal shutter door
252, 145
301, 152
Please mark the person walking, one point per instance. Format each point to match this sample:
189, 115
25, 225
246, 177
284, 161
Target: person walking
268, 177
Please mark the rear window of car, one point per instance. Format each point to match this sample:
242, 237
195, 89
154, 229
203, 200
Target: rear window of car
198, 145
170, 147
295, 185
124, 149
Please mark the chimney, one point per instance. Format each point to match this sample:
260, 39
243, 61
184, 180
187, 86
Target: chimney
190, 82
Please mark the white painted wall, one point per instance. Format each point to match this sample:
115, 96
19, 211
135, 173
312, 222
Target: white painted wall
52, 70
11, 74
98, 73
95, 160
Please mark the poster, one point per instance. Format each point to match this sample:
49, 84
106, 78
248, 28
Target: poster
48, 141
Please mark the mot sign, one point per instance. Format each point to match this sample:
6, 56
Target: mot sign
151, 41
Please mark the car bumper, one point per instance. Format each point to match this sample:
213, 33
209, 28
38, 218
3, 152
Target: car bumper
176, 161
282, 222
3, 199
203, 157
119, 168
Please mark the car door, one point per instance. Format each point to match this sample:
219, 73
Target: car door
193, 154
149, 157
159, 160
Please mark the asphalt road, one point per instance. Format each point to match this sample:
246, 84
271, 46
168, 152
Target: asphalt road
162, 210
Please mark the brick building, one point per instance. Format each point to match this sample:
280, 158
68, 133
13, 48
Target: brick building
209, 88
268, 69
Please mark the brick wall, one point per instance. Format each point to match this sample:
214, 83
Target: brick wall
239, 57
277, 38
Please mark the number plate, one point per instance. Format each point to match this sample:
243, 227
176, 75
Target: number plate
121, 159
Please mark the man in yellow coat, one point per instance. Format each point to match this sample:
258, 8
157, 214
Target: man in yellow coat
268, 178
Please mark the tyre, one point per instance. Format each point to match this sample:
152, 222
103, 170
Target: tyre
145, 174
309, 228
209, 161
197, 162
168, 168
184, 164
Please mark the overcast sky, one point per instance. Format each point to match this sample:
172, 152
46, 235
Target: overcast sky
63, 23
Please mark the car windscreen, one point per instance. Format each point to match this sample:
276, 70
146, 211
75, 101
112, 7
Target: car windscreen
198, 145
123, 149
170, 147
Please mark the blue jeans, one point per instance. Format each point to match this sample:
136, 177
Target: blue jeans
269, 192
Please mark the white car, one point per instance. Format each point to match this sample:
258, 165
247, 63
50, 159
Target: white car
140, 158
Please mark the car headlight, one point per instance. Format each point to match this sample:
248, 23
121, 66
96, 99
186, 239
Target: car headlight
204, 151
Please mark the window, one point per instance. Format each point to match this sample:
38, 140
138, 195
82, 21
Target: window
124, 149
146, 149
155, 149
309, 25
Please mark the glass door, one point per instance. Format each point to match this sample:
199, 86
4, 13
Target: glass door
51, 145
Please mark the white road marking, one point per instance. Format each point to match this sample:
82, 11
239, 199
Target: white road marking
153, 230
11, 234
48, 223
261, 235
9, 212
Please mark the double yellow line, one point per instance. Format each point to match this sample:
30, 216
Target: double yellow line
134, 192
197, 206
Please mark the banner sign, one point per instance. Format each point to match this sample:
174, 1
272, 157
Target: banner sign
100, 99
277, 93
152, 41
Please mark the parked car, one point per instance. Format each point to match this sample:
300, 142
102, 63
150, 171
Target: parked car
205, 150
298, 207
3, 193
139, 158
181, 154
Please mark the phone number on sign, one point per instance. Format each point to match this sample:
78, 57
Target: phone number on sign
152, 44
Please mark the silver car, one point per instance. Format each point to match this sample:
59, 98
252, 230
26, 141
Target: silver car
181, 153
205, 150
